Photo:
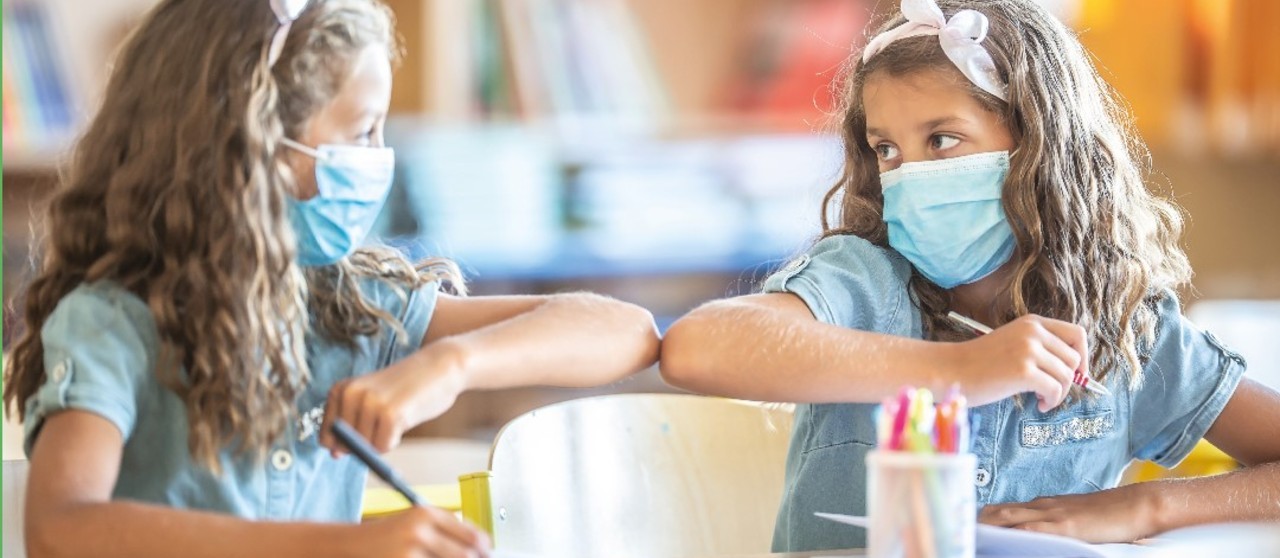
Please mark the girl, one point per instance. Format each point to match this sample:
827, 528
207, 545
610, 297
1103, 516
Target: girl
988, 170
201, 312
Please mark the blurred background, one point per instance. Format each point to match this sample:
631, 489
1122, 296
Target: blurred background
668, 152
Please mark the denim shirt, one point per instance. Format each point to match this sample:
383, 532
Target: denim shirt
1022, 454
100, 350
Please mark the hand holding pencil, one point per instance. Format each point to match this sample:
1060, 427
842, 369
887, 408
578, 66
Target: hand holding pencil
1030, 354
422, 530
1081, 377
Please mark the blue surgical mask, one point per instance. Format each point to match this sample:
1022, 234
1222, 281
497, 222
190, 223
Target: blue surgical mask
352, 183
945, 216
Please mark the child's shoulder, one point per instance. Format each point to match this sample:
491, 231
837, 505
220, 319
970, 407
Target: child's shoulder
102, 304
1179, 342
853, 257
858, 252
846, 280
397, 296
101, 314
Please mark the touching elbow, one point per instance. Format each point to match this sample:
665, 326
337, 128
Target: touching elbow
644, 331
684, 363
630, 329
42, 537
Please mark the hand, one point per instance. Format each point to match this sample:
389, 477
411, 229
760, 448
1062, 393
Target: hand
1029, 354
382, 405
422, 533
1123, 515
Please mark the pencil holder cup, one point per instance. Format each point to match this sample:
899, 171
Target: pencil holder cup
920, 505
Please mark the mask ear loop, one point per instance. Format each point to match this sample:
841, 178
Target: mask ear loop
304, 149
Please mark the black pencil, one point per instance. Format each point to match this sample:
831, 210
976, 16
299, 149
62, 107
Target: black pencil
362, 450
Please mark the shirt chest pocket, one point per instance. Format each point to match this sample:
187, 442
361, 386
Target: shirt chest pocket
1080, 450
1067, 430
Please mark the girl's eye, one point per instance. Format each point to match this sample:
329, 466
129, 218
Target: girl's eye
887, 152
943, 141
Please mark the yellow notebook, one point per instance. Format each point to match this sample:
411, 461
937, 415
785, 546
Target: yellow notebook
382, 501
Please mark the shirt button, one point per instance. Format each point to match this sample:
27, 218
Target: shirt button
59, 371
281, 460
982, 478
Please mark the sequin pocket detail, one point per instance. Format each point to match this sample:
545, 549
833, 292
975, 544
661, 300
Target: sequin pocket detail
1039, 434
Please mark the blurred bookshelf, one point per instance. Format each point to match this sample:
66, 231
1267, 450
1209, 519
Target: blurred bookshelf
668, 152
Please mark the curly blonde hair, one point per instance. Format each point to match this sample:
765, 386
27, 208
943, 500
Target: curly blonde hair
1094, 246
177, 192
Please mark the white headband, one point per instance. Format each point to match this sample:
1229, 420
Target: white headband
961, 39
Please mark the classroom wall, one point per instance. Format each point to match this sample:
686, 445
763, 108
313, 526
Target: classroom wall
739, 81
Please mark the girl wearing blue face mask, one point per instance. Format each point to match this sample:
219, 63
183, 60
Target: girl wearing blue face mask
990, 171
203, 308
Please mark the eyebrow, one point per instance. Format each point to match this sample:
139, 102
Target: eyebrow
930, 125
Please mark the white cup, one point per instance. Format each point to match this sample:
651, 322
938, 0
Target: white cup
921, 505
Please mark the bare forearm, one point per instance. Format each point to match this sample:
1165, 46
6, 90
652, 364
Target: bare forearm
574, 340
747, 351
1251, 494
136, 530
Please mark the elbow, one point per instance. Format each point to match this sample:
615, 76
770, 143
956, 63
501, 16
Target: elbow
42, 537
685, 361
631, 332
642, 330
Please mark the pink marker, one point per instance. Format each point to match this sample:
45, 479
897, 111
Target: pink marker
896, 441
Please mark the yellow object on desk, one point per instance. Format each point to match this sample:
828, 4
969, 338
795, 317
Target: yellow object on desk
1203, 461
382, 501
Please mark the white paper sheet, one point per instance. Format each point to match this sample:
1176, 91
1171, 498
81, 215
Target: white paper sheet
994, 542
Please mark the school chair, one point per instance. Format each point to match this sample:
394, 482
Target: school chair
15, 491
1204, 460
651, 475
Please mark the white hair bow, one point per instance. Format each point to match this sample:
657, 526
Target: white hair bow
286, 12
961, 38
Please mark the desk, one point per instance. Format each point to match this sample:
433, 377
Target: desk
818, 554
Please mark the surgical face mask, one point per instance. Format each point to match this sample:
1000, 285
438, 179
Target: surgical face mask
945, 216
352, 183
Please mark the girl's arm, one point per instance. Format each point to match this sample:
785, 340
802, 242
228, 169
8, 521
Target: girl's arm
566, 340
69, 512
1248, 429
769, 347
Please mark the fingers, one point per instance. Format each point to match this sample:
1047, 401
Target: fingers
364, 418
333, 410
375, 416
1076, 341
1009, 515
463, 533
1052, 370
442, 535
439, 545
1058, 350
386, 431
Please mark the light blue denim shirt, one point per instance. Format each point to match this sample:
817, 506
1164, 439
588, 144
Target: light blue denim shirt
1022, 453
100, 351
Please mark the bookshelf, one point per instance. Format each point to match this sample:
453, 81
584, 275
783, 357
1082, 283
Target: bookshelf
664, 151
56, 55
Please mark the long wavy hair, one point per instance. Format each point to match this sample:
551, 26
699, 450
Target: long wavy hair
1094, 246
177, 192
